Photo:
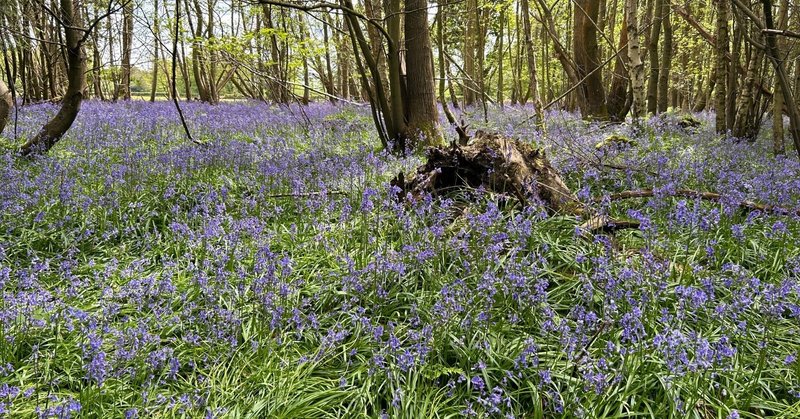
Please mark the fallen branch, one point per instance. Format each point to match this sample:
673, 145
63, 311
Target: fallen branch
707, 196
305, 194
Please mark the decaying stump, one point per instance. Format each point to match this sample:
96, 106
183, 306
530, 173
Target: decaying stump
506, 166
495, 163
501, 165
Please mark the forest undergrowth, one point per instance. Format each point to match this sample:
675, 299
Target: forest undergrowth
271, 273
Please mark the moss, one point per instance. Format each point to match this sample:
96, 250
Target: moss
616, 140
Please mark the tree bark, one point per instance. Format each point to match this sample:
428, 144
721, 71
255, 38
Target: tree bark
422, 114
618, 103
470, 41
721, 51
5, 105
780, 71
652, 50
127, 45
778, 143
156, 46
635, 57
592, 98
54, 129
666, 64
533, 83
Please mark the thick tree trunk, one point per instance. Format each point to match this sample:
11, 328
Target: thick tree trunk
780, 71
745, 122
592, 98
53, 130
778, 143
5, 105
422, 115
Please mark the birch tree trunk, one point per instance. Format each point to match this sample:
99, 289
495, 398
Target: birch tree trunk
635, 57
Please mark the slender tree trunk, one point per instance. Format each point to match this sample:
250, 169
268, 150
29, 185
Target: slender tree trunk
127, 45
470, 41
54, 129
733, 71
156, 47
636, 68
666, 64
704, 95
721, 51
500, 40
652, 50
533, 83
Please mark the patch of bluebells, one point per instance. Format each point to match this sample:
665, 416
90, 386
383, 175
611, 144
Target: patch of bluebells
153, 273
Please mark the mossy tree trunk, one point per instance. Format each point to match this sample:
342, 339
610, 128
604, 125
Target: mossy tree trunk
5, 105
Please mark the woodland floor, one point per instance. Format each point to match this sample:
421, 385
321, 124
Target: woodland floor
271, 273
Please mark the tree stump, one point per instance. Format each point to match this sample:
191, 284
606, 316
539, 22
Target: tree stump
495, 163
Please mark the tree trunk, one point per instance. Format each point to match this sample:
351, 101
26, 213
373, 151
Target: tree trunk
635, 58
780, 71
721, 51
733, 71
156, 46
618, 104
778, 143
54, 129
127, 45
533, 84
422, 114
470, 41
652, 50
745, 122
666, 65
5, 105
500, 42
592, 98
